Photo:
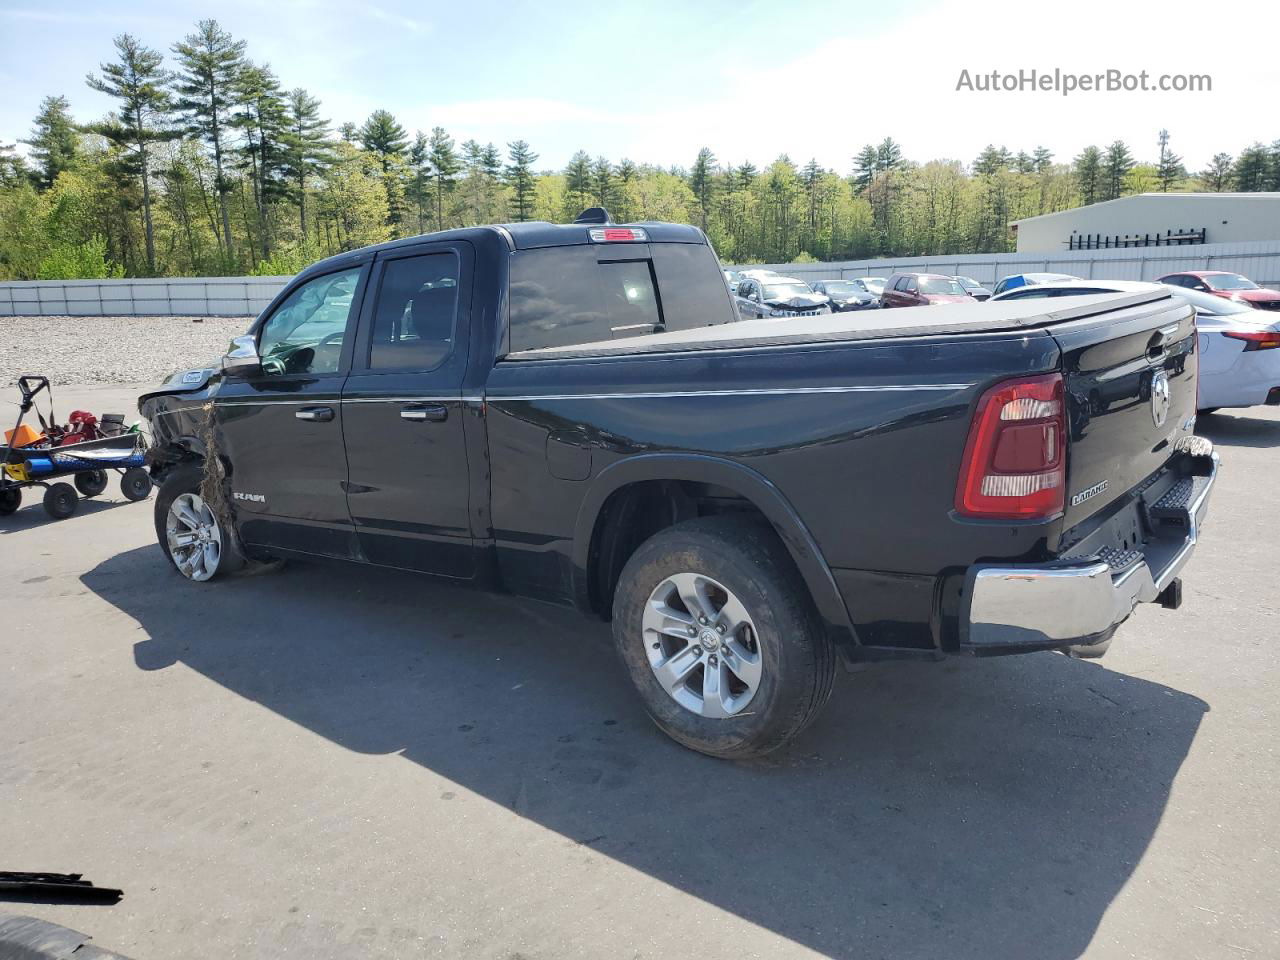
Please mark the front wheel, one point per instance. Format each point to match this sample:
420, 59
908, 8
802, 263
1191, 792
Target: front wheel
720, 638
135, 484
91, 483
60, 500
191, 533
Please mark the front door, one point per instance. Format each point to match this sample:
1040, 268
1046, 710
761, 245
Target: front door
403, 415
281, 430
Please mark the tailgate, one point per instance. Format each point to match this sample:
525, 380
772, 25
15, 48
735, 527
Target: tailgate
1131, 396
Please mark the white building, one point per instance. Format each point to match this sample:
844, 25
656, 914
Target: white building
1154, 219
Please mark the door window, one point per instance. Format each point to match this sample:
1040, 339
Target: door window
305, 333
414, 313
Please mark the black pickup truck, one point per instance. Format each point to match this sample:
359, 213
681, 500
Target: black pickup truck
577, 413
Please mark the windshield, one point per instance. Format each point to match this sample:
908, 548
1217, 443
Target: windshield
1230, 281
874, 284
969, 283
1208, 304
941, 286
843, 288
784, 291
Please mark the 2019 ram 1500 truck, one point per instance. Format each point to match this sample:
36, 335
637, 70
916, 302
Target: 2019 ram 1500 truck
576, 413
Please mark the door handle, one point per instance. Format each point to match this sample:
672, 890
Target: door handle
425, 412
315, 414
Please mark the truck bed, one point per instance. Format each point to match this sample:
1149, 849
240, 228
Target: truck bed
896, 323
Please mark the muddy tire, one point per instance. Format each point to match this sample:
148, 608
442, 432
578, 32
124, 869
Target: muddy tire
720, 638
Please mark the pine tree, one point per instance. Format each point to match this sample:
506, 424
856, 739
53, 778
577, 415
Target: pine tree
137, 80
602, 185
1252, 169
991, 161
1169, 169
54, 142
746, 175
577, 184
519, 174
1088, 172
444, 169
1116, 164
701, 182
262, 118
348, 132
888, 155
307, 148
865, 167
209, 62
1023, 163
811, 177
1042, 159
386, 141
1217, 176
1273, 181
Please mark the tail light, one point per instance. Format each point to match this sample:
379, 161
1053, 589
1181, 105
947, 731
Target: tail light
1015, 461
1255, 340
618, 235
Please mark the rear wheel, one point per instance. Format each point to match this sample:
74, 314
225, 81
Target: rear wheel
10, 501
720, 638
61, 500
92, 483
135, 484
191, 532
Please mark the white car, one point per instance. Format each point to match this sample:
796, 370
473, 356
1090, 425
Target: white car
1239, 346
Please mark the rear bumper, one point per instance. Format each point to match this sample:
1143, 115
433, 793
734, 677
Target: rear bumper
1080, 603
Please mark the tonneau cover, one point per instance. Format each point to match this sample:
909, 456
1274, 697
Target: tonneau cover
985, 317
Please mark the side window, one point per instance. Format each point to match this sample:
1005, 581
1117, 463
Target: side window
689, 289
305, 334
901, 284
911, 285
414, 313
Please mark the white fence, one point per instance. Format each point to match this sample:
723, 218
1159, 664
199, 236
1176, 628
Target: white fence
174, 296
248, 296
1258, 260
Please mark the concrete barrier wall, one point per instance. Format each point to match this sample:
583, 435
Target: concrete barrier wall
173, 296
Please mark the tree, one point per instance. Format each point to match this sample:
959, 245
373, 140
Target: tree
13, 169
137, 80
602, 184
1088, 172
420, 176
577, 184
1042, 159
701, 182
262, 118
1169, 169
1217, 175
991, 160
383, 137
519, 174
1116, 164
888, 155
444, 169
306, 147
865, 167
54, 141
348, 132
209, 62
1252, 168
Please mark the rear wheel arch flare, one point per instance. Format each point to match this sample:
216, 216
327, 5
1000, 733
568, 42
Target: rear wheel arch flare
676, 469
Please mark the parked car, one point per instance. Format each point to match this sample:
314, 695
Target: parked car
732, 278
846, 295
1239, 347
873, 285
922, 290
757, 274
574, 413
1029, 279
973, 288
1229, 286
777, 297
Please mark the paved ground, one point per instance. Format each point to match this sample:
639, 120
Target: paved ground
338, 763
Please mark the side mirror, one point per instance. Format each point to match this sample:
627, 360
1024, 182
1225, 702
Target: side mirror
242, 359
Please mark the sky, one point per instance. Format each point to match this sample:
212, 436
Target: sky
655, 81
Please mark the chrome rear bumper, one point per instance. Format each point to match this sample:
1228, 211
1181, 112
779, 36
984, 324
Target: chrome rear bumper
1080, 603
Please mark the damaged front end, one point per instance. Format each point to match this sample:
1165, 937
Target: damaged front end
179, 414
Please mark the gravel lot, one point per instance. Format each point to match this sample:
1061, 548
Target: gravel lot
85, 350
340, 763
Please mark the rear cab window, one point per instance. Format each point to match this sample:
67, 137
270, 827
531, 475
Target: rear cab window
590, 293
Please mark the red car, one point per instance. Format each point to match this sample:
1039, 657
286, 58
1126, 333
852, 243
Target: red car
921, 290
1230, 286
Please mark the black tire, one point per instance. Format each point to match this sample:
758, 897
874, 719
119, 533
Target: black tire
135, 484
92, 483
10, 501
187, 478
61, 500
798, 660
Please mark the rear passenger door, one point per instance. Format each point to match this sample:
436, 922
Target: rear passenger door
403, 413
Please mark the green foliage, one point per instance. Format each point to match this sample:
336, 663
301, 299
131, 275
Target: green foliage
77, 261
55, 142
